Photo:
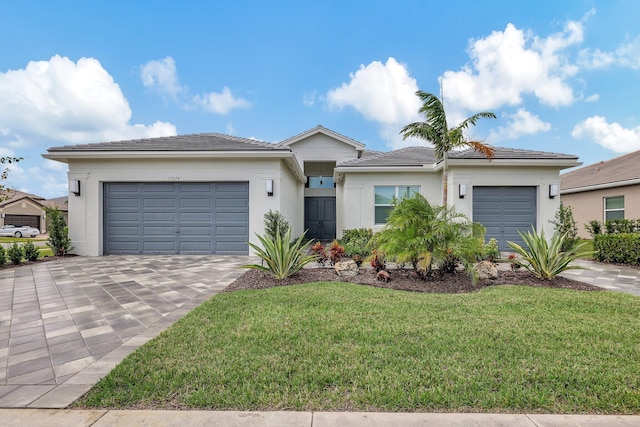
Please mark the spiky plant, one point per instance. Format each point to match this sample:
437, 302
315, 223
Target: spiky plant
547, 259
282, 257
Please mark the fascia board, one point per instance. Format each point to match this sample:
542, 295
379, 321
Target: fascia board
600, 186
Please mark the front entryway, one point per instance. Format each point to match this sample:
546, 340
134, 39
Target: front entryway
320, 217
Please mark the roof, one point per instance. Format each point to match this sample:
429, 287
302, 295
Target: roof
615, 172
193, 142
15, 195
321, 129
421, 155
59, 202
503, 153
409, 156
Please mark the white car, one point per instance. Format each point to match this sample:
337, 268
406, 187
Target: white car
18, 231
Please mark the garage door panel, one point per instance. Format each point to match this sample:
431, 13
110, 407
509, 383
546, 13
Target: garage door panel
504, 211
166, 218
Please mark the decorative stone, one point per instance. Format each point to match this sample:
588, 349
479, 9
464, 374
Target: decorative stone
383, 276
486, 270
346, 268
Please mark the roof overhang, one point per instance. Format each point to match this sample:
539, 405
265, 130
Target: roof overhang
340, 171
600, 186
557, 163
322, 130
286, 155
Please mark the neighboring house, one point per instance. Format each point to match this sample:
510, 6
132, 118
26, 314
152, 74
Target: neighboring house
27, 209
606, 190
208, 193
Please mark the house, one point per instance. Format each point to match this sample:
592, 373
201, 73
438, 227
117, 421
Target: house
602, 191
208, 193
19, 208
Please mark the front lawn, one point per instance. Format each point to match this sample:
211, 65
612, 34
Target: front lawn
21, 239
338, 346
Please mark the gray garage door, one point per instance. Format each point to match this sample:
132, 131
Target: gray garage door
176, 218
504, 211
30, 220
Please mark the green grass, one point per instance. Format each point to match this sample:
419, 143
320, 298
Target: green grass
338, 346
20, 239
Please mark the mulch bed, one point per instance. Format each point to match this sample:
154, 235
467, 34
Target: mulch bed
405, 280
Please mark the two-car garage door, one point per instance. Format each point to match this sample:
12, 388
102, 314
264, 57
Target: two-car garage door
176, 218
504, 211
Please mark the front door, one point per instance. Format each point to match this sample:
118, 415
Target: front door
320, 217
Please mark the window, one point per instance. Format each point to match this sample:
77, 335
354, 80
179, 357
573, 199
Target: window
320, 182
613, 208
385, 195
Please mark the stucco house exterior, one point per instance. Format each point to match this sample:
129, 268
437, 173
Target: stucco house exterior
19, 208
605, 190
208, 193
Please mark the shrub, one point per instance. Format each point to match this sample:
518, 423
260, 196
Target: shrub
428, 236
620, 226
282, 256
357, 241
320, 252
31, 252
3, 257
336, 252
566, 226
15, 254
594, 228
620, 248
547, 260
59, 241
275, 223
490, 251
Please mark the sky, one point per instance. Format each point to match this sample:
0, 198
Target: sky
561, 76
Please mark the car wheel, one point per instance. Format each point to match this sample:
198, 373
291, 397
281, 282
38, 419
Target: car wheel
18, 234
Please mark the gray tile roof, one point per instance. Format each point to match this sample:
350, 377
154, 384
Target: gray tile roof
410, 156
15, 195
616, 170
511, 153
194, 142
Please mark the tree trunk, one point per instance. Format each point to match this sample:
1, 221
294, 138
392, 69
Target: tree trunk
445, 181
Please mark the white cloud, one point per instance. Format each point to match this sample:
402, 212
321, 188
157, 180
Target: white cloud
610, 135
162, 75
519, 124
220, 103
506, 65
592, 98
61, 101
382, 93
309, 98
66, 101
625, 55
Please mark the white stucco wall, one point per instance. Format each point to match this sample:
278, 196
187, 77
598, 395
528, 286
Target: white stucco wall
356, 197
320, 148
493, 175
85, 211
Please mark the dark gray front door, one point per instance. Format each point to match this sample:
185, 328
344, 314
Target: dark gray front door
320, 217
176, 218
504, 211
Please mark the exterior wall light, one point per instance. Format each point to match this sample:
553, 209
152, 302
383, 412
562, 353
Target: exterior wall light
553, 190
74, 186
462, 190
269, 187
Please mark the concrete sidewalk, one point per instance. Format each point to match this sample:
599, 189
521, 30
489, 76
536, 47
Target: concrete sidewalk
116, 418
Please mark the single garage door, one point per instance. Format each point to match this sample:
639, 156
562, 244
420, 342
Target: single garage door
30, 220
504, 211
176, 218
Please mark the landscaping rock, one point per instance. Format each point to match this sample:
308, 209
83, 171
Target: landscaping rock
346, 268
486, 270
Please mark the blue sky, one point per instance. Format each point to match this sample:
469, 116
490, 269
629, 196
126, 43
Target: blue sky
562, 77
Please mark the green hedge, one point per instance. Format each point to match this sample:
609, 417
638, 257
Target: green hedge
620, 248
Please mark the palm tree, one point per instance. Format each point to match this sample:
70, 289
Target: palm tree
436, 131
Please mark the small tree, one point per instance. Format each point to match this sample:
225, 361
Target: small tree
275, 223
4, 174
31, 252
3, 257
566, 226
15, 254
59, 241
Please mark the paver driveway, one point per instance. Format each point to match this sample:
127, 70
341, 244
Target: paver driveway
64, 324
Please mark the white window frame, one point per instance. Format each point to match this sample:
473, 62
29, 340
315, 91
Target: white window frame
606, 211
396, 196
